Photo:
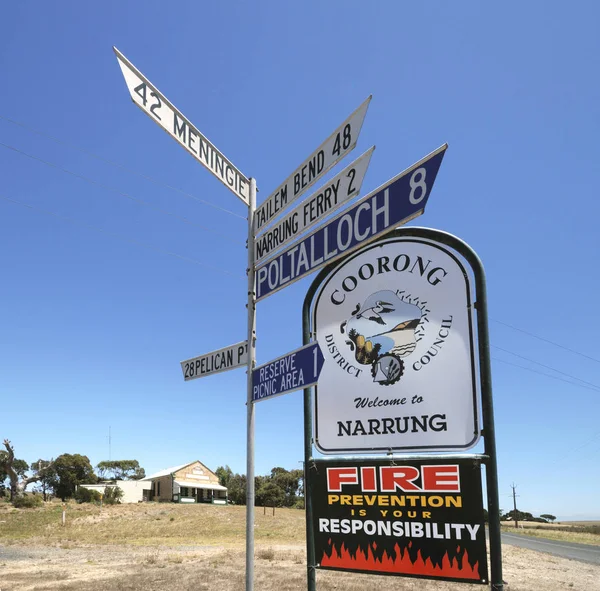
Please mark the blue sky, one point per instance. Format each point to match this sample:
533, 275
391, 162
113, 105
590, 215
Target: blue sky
96, 315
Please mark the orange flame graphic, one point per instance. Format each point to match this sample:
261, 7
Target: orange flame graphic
402, 564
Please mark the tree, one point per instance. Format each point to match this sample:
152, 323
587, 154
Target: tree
235, 484
40, 467
548, 516
224, 475
69, 470
520, 515
236, 489
16, 469
281, 488
290, 484
120, 470
113, 495
268, 493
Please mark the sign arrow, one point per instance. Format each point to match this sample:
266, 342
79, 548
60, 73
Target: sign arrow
215, 361
341, 142
156, 105
339, 190
396, 202
296, 370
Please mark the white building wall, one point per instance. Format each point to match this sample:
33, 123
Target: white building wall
133, 490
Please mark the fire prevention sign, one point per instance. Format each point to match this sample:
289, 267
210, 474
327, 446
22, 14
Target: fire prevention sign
414, 518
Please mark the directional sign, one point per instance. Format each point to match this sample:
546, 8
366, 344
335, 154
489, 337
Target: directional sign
294, 371
146, 96
215, 362
328, 154
343, 187
396, 202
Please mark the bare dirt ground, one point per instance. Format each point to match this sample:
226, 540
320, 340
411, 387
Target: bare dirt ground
212, 568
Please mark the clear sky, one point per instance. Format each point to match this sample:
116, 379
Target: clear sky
96, 314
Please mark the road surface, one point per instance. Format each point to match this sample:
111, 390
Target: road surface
581, 552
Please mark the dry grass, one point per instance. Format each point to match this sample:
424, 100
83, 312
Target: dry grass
201, 547
580, 532
561, 536
150, 524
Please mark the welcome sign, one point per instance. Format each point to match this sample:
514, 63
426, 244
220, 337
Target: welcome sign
394, 324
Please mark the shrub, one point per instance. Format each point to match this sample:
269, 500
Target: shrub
113, 495
28, 501
86, 495
265, 553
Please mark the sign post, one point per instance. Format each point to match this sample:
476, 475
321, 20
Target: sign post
249, 406
150, 100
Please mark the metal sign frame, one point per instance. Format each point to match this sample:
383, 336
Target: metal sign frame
489, 457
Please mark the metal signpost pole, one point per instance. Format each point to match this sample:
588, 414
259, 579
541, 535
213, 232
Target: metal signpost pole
156, 105
311, 574
485, 370
249, 404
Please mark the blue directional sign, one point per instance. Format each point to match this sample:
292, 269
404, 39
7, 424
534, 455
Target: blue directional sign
396, 202
294, 371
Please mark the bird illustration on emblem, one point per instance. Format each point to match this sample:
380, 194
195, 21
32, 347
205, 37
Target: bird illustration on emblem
384, 350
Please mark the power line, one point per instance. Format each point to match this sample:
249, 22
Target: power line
546, 366
117, 191
580, 446
118, 236
545, 374
121, 166
535, 336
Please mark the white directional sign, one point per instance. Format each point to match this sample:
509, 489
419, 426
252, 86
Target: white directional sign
328, 154
343, 187
396, 202
146, 96
215, 361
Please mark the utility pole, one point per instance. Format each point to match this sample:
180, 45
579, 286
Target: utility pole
514, 487
109, 444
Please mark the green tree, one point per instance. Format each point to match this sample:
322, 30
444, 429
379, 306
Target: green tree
85, 495
521, 516
268, 493
15, 469
69, 470
235, 484
548, 517
19, 466
281, 488
290, 484
40, 468
236, 489
224, 474
113, 495
120, 470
